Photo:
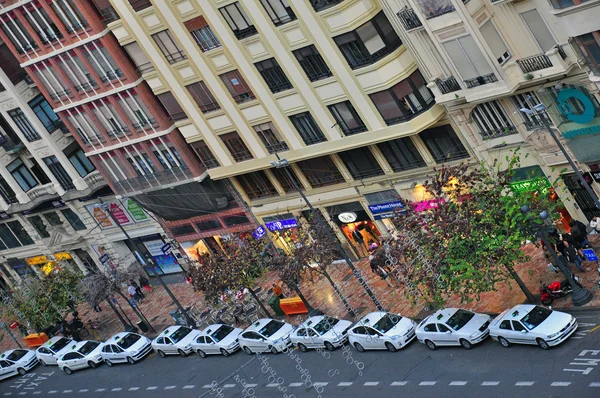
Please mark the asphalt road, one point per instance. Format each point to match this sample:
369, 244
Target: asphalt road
571, 369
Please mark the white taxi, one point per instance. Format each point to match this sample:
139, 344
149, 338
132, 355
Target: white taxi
382, 330
175, 340
321, 331
53, 349
532, 324
83, 354
16, 362
217, 339
125, 347
266, 335
453, 326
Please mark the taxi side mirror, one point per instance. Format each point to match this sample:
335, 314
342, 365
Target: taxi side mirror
523, 331
448, 332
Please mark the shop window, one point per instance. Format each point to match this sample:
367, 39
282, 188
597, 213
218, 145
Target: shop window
312, 63
256, 185
203, 97
39, 226
208, 225
444, 144
238, 21
361, 163
24, 125
273, 75
82, 164
44, 112
237, 219
59, 172
22, 175
401, 154
236, 146
321, 171
347, 118
235, 83
284, 179
205, 154
183, 230
73, 219
270, 137
169, 47
307, 128
172, 107
575, 105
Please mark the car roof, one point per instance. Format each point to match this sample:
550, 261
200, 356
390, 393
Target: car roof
442, 315
120, 335
312, 321
258, 324
371, 318
517, 311
169, 330
211, 328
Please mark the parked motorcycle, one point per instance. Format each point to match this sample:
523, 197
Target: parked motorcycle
554, 290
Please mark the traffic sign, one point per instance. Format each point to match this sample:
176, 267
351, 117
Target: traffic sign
167, 249
104, 258
590, 255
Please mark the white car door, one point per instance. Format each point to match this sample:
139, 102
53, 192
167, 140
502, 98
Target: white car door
360, 336
507, 332
74, 360
430, 332
522, 335
200, 343
6, 369
46, 355
313, 338
252, 340
170, 348
445, 335
160, 344
119, 354
211, 346
375, 340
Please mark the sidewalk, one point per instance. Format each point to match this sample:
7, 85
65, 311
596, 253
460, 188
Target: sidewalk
157, 304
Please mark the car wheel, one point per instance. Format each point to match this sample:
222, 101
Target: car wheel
108, 362
92, 364
329, 346
390, 347
302, 347
543, 344
247, 350
182, 353
359, 347
22, 371
273, 350
224, 352
43, 363
201, 353
503, 341
466, 344
162, 354
430, 344
67, 370
131, 360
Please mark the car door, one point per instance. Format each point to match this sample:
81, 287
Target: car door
46, 355
360, 335
6, 369
374, 339
313, 338
200, 343
301, 336
252, 340
160, 344
445, 335
170, 348
119, 354
211, 346
430, 332
71, 360
521, 333
107, 352
507, 331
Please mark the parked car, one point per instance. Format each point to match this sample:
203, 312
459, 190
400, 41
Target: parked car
382, 330
321, 332
532, 324
217, 339
83, 354
53, 349
175, 340
266, 335
17, 362
453, 326
125, 347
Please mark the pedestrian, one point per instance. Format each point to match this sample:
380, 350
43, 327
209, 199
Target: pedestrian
578, 232
97, 307
145, 283
572, 247
133, 294
278, 291
376, 267
137, 288
595, 226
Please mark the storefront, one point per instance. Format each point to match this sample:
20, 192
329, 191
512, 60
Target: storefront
149, 252
356, 225
284, 231
20, 266
44, 264
385, 206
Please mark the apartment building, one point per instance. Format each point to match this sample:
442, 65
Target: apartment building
489, 61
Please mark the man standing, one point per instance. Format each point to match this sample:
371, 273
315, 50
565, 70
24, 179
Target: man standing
133, 293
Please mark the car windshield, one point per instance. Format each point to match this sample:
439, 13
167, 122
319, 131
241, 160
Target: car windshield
89, 347
16, 355
221, 333
459, 319
387, 322
179, 334
127, 341
60, 344
271, 328
536, 316
325, 325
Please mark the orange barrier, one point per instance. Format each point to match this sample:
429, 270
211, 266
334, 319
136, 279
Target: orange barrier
35, 340
293, 306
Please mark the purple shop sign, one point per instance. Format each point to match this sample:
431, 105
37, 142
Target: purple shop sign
281, 224
259, 232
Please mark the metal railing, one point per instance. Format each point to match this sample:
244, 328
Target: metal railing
481, 80
534, 63
319, 5
109, 15
409, 19
247, 32
499, 132
155, 180
448, 86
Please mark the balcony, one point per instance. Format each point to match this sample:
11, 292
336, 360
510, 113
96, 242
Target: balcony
435, 8
11, 145
449, 85
109, 15
481, 80
534, 63
41, 193
320, 5
247, 32
94, 180
497, 133
409, 19
160, 180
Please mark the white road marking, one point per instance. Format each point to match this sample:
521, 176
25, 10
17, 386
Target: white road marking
272, 385
457, 383
100, 389
427, 383
52, 392
189, 387
84, 390
170, 387
320, 384
207, 386
6, 394
116, 389
67, 391
254, 385
294, 384
594, 385
37, 392
133, 389
524, 383
490, 383
560, 384
371, 383
151, 388
399, 383
23, 393
576, 337
344, 384
228, 385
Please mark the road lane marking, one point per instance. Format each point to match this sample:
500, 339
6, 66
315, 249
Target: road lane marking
84, 390
427, 383
457, 383
344, 384
6, 394
67, 391
133, 389
228, 385
207, 386
594, 329
270, 385
23, 393
251, 385
51, 392
371, 383
490, 383
594, 384
295, 384
37, 392
100, 389
524, 383
189, 387
170, 387
116, 389
151, 388
560, 384
320, 384
399, 383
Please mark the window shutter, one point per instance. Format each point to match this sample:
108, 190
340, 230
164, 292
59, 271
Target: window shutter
494, 41
539, 29
195, 23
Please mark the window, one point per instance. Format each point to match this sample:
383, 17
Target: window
102, 62
13, 29
434, 8
172, 107
361, 163
279, 11
139, 5
505, 325
12, 234
165, 41
53, 219
42, 25
430, 328
401, 154
237, 86
166, 159
284, 179
183, 230
73, 219
321, 171
70, 15
6, 192
313, 64
39, 226
443, 328
495, 42
236, 146
528, 100
347, 118
82, 164
141, 165
57, 169
270, 137
256, 185
566, 3
404, 100
469, 61
443, 144
138, 57
590, 47
576, 105
517, 326
24, 125
539, 29
22, 175
203, 97
208, 225
319, 5
76, 71
237, 219
369, 43
44, 112
273, 75
205, 37
492, 121
37, 171
204, 153
238, 21
307, 128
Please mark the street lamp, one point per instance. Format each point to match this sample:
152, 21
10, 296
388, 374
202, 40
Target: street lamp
284, 164
580, 295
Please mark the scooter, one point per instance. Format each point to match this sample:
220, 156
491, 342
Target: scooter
554, 290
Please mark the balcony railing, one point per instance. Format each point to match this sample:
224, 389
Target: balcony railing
94, 179
481, 80
320, 5
243, 33
109, 15
156, 180
533, 63
277, 147
448, 86
499, 132
40, 191
435, 8
409, 19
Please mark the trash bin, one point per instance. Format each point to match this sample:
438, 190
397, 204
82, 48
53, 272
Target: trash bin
177, 318
131, 329
274, 304
143, 326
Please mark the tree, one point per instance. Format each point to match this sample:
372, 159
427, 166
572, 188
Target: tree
470, 236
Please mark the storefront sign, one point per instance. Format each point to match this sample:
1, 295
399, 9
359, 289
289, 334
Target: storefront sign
590, 255
347, 217
136, 211
119, 214
100, 216
386, 207
537, 184
4, 215
281, 224
259, 232
166, 248
37, 260
166, 262
62, 256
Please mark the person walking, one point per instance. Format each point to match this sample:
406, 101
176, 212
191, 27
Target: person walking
137, 288
572, 247
134, 294
578, 232
145, 283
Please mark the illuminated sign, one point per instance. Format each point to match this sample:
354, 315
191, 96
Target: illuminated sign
537, 184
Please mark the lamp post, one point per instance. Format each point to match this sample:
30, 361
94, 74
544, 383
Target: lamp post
188, 320
284, 164
580, 295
